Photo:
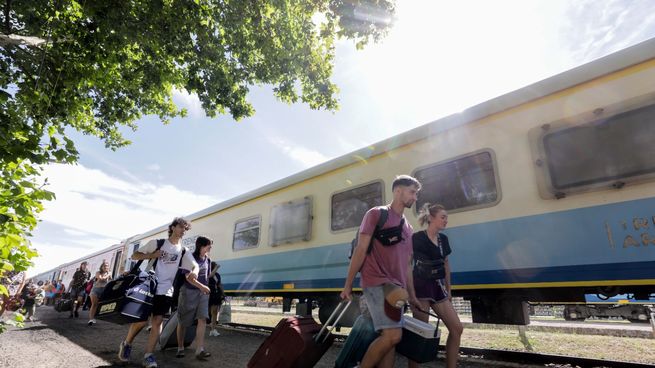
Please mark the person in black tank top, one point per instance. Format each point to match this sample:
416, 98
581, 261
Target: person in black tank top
431, 276
216, 297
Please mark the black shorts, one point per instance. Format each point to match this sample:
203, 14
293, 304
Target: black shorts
161, 304
77, 293
216, 299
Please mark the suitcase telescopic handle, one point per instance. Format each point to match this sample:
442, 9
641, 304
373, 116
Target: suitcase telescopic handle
338, 312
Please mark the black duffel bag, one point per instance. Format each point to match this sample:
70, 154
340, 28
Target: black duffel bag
128, 299
64, 305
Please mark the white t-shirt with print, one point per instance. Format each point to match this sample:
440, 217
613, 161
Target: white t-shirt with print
167, 264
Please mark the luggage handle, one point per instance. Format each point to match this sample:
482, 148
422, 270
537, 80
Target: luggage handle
341, 311
436, 331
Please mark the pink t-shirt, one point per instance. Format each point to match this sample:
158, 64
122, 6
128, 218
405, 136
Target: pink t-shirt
386, 264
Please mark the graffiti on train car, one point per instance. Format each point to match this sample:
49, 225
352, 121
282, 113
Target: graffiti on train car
639, 234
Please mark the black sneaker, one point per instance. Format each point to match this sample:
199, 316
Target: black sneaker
77, 315
203, 355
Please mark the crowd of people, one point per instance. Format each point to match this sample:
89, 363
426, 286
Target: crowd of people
389, 257
197, 300
24, 294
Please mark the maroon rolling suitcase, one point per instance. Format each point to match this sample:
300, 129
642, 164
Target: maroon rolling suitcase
296, 342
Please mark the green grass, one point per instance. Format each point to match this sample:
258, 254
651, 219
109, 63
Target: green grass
629, 349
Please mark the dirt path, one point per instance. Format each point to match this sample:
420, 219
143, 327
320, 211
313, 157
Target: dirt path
54, 340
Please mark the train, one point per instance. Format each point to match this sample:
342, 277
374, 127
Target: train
550, 191
113, 255
623, 306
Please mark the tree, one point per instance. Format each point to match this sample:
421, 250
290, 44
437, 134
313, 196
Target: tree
95, 66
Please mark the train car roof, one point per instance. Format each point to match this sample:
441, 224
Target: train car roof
614, 62
112, 247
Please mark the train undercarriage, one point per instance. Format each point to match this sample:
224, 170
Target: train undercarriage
499, 306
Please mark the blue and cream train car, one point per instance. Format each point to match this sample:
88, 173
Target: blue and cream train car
550, 189
113, 255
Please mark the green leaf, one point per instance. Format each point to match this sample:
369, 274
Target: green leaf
111, 62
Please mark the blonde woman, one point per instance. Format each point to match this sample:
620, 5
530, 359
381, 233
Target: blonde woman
99, 282
432, 277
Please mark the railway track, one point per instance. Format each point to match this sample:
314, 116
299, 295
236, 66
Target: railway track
493, 355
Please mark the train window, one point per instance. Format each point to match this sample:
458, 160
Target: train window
348, 207
246, 233
460, 184
607, 150
291, 222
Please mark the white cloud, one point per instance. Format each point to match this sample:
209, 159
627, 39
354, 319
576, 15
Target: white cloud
153, 167
191, 102
597, 28
305, 156
73, 232
98, 210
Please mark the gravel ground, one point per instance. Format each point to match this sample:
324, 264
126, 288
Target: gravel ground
54, 340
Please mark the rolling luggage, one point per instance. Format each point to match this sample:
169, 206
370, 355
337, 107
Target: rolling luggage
168, 336
225, 313
361, 336
296, 342
420, 341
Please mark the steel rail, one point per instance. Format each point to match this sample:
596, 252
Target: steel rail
506, 356
521, 357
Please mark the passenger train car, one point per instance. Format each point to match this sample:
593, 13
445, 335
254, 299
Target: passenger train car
550, 191
113, 255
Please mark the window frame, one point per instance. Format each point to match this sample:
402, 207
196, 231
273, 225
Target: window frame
307, 237
540, 161
259, 233
494, 165
382, 183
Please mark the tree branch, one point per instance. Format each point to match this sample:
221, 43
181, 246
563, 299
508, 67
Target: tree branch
9, 39
7, 21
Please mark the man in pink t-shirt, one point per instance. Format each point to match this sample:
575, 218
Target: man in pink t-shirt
382, 268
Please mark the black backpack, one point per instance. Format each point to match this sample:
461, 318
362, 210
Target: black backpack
180, 278
384, 214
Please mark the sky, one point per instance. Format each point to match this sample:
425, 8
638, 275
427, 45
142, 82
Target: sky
439, 58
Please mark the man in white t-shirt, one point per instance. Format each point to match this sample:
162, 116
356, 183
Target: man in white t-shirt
168, 262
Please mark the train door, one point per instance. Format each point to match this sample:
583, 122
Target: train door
117, 263
129, 262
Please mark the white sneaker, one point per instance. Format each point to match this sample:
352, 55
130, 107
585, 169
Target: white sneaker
149, 362
92, 322
214, 333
